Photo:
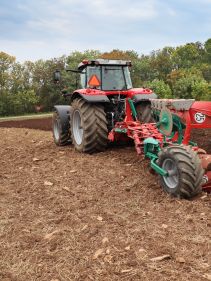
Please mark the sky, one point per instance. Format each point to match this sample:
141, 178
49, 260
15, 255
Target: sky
44, 29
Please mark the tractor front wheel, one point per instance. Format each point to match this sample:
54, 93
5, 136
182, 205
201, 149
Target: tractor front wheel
184, 169
61, 135
144, 112
88, 127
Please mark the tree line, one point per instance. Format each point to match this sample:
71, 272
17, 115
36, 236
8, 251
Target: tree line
172, 72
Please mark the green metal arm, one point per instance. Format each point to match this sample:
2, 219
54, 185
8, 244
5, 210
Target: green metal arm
133, 109
151, 150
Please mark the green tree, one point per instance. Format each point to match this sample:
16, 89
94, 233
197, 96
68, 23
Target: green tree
6, 64
191, 87
18, 103
42, 82
186, 56
207, 46
201, 90
24, 102
161, 62
160, 88
206, 71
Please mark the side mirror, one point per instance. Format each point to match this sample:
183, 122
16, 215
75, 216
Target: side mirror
57, 76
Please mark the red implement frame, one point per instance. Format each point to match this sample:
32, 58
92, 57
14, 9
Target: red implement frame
135, 130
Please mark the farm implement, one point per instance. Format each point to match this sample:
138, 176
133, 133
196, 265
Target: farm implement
183, 167
107, 109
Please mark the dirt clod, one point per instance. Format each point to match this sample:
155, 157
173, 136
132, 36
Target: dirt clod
207, 276
161, 258
48, 183
98, 253
180, 259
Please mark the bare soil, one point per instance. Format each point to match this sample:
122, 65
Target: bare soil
70, 216
39, 123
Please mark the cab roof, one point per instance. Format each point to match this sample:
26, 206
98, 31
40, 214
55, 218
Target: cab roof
86, 63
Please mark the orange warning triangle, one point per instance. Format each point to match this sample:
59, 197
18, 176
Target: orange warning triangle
94, 81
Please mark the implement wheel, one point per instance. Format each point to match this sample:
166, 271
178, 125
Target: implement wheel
184, 169
61, 135
88, 127
144, 112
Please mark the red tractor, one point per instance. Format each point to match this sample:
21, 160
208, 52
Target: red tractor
98, 105
108, 109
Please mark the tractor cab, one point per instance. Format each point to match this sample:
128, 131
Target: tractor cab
105, 75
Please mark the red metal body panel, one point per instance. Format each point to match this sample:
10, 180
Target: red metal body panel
203, 106
201, 111
129, 93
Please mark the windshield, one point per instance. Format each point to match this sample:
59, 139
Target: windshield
112, 78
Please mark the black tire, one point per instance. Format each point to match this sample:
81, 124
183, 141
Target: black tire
144, 113
61, 136
88, 127
187, 173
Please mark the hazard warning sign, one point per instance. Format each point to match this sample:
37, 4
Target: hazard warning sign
94, 81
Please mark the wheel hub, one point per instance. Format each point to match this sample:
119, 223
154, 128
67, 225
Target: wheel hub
56, 130
77, 127
172, 179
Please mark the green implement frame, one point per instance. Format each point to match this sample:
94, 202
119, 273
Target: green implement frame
151, 150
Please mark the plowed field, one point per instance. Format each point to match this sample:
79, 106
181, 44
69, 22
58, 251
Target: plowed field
70, 216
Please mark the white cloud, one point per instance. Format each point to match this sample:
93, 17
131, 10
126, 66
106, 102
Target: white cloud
57, 26
26, 50
126, 10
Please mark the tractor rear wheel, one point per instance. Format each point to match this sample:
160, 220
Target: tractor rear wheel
88, 127
185, 172
61, 136
144, 112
